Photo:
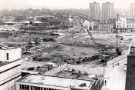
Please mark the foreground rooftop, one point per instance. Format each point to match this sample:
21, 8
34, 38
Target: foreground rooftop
57, 81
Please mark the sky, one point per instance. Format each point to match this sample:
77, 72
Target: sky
58, 4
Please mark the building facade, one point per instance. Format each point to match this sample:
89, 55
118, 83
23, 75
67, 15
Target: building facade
121, 22
107, 11
10, 64
103, 27
95, 11
131, 24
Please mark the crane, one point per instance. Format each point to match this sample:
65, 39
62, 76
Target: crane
89, 26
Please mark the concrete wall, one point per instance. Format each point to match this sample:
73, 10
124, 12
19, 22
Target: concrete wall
10, 65
7, 75
10, 85
13, 54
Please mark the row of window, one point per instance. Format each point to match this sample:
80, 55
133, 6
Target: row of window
27, 87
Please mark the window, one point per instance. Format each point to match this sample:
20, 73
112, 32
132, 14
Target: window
24, 87
7, 54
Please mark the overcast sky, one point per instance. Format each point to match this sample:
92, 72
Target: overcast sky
58, 4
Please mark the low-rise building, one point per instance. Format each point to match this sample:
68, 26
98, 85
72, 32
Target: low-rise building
131, 24
38, 82
104, 27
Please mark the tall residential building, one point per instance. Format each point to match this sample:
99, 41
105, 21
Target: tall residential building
107, 11
95, 11
10, 63
132, 10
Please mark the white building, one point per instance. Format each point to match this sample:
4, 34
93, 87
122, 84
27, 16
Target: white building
95, 11
132, 10
121, 22
107, 11
10, 63
10, 54
39, 82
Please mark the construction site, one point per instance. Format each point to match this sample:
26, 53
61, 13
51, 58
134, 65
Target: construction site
75, 52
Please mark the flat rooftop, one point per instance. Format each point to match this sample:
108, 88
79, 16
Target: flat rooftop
39, 68
57, 81
73, 74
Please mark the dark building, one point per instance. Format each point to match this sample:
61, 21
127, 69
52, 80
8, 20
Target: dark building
130, 78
